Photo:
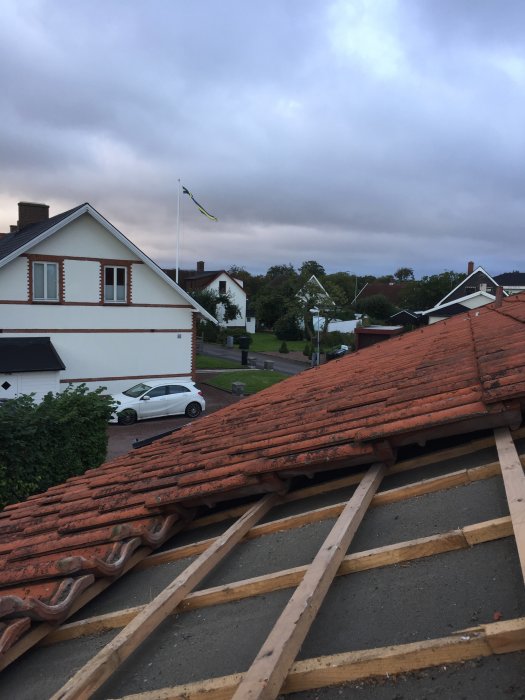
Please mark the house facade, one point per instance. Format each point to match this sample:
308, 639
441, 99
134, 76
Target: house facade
219, 282
109, 313
477, 289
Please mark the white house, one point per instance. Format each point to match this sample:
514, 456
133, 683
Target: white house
80, 303
219, 282
477, 289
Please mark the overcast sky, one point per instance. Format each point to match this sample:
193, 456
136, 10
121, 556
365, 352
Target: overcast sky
364, 134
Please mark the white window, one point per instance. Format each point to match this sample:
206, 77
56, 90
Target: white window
115, 284
45, 281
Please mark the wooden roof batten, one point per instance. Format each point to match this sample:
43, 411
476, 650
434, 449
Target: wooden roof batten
465, 644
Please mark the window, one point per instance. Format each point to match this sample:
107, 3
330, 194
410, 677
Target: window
222, 287
115, 284
175, 389
470, 290
157, 391
45, 281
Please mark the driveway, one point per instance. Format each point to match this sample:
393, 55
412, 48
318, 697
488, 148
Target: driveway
122, 437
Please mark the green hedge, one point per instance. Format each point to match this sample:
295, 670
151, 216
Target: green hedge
44, 444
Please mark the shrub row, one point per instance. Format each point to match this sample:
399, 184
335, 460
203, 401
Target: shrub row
44, 444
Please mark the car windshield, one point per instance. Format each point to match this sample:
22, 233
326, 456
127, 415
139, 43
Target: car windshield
136, 390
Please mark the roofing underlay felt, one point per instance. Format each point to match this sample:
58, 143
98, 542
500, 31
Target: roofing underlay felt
456, 376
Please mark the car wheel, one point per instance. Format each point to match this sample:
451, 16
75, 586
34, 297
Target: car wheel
193, 409
127, 417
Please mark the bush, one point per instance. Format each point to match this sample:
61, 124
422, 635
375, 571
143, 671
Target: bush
336, 338
284, 347
307, 352
45, 444
287, 328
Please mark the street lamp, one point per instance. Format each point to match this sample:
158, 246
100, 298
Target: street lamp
315, 310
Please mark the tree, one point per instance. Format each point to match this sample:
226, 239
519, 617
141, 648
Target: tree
217, 304
377, 307
404, 274
426, 292
280, 271
309, 268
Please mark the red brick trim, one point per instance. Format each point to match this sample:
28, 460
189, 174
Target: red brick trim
97, 330
34, 257
115, 263
75, 380
97, 303
86, 259
194, 348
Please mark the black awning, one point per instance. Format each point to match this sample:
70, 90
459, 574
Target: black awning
28, 355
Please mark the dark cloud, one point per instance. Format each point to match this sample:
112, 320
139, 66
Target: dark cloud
366, 134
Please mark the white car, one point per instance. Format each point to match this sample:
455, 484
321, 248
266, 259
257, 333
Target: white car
156, 398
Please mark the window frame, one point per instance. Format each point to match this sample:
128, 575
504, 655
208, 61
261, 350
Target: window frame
115, 267
46, 299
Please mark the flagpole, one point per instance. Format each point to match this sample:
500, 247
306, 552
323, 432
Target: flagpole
178, 234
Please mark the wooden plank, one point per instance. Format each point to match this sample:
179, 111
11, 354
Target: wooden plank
100, 668
325, 671
401, 493
267, 673
288, 578
388, 555
514, 480
488, 531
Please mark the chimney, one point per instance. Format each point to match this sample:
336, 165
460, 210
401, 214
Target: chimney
470, 267
499, 297
200, 266
31, 213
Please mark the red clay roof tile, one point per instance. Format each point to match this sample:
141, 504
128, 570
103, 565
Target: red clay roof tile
471, 367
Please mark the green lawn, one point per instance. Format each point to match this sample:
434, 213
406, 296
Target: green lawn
255, 380
207, 362
267, 342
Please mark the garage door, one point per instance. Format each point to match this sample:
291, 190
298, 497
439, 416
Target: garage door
38, 383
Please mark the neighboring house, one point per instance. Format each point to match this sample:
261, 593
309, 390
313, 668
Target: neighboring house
477, 280
477, 289
313, 293
84, 305
406, 318
512, 282
457, 306
220, 282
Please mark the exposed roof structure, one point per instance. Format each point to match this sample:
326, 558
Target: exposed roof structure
28, 355
462, 375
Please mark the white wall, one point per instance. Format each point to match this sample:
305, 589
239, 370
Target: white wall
13, 281
238, 296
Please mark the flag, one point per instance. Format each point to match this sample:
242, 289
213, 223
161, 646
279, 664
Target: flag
202, 210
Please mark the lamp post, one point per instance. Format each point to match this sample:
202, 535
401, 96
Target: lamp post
315, 310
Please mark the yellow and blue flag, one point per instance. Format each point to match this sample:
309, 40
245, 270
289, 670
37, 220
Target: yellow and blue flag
202, 210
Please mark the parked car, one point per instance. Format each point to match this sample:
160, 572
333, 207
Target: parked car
336, 352
156, 398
